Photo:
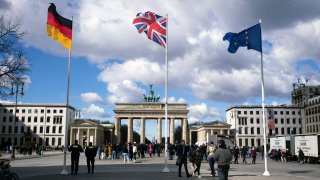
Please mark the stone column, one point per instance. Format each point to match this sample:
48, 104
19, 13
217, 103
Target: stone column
211, 132
78, 136
95, 137
88, 137
221, 131
71, 136
171, 130
130, 130
142, 130
185, 130
117, 124
159, 130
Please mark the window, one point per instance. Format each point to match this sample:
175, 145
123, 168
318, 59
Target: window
59, 141
57, 120
28, 129
15, 129
29, 111
293, 113
257, 112
239, 112
275, 112
41, 119
294, 121
288, 130
4, 119
287, 112
42, 111
48, 129
276, 131
34, 129
288, 121
23, 111
251, 112
270, 132
22, 129
23, 119
48, 119
240, 130
53, 141
246, 141
11, 110
276, 121
10, 118
245, 112
48, 110
61, 111
60, 129
282, 130
239, 121
17, 110
258, 130
4, 111
246, 130
36, 111
240, 142
252, 142
251, 120
258, 121
35, 119
299, 122
29, 118
54, 129
3, 130
281, 112
55, 111
252, 130
10, 129
282, 121
41, 129
16, 118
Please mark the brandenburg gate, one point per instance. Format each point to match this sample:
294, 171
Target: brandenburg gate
151, 109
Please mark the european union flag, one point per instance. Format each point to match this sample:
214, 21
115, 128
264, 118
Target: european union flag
250, 37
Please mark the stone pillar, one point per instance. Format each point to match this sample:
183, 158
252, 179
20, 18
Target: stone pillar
142, 130
130, 130
95, 137
221, 131
228, 132
78, 136
159, 130
88, 137
117, 124
71, 135
184, 129
211, 132
171, 130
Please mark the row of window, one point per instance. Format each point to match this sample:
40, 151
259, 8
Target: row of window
254, 142
56, 119
312, 110
54, 141
276, 131
243, 121
313, 129
35, 129
312, 119
55, 111
274, 111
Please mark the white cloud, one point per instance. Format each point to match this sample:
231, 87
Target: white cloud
91, 97
125, 92
94, 112
201, 112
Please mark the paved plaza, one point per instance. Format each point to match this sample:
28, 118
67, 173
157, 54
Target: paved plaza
49, 168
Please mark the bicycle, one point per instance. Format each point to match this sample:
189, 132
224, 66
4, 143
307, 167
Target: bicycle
5, 173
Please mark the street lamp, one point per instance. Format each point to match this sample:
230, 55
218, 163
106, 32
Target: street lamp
235, 115
12, 93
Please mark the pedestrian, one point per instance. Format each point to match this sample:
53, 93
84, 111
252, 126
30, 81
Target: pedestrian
236, 154
182, 153
211, 149
197, 158
109, 150
75, 150
190, 157
283, 155
300, 157
244, 154
288, 155
99, 152
223, 157
135, 150
171, 152
253, 154
90, 153
125, 153
114, 152
150, 149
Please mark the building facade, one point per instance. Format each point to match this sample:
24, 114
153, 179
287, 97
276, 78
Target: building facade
247, 127
43, 124
312, 114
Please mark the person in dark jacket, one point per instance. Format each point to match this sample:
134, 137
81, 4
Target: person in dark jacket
244, 153
90, 153
182, 153
75, 150
236, 154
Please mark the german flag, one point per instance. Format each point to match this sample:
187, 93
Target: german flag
59, 28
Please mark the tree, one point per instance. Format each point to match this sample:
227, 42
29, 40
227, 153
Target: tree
13, 62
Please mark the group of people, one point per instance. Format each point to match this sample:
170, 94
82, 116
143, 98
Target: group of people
222, 155
283, 155
244, 152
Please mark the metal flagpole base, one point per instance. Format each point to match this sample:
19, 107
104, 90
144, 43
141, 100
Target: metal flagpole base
266, 173
166, 170
64, 172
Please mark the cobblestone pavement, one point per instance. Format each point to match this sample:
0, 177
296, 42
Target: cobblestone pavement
49, 168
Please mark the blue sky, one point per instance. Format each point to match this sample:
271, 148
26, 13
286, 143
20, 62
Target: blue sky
112, 63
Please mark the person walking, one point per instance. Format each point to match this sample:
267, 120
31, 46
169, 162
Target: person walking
125, 153
236, 154
301, 157
135, 150
197, 158
211, 149
75, 150
253, 154
182, 153
90, 153
223, 157
244, 154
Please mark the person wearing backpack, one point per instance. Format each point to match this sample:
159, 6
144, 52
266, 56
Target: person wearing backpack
197, 158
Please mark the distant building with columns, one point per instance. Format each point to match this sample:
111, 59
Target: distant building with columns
151, 111
206, 132
86, 131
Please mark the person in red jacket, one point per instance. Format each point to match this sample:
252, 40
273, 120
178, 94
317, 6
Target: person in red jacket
253, 154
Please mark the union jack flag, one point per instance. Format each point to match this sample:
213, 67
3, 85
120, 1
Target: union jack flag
153, 25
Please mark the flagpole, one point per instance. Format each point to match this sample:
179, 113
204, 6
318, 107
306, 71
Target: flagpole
64, 169
166, 169
266, 172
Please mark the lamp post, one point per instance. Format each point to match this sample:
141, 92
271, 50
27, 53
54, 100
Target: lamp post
16, 84
235, 115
